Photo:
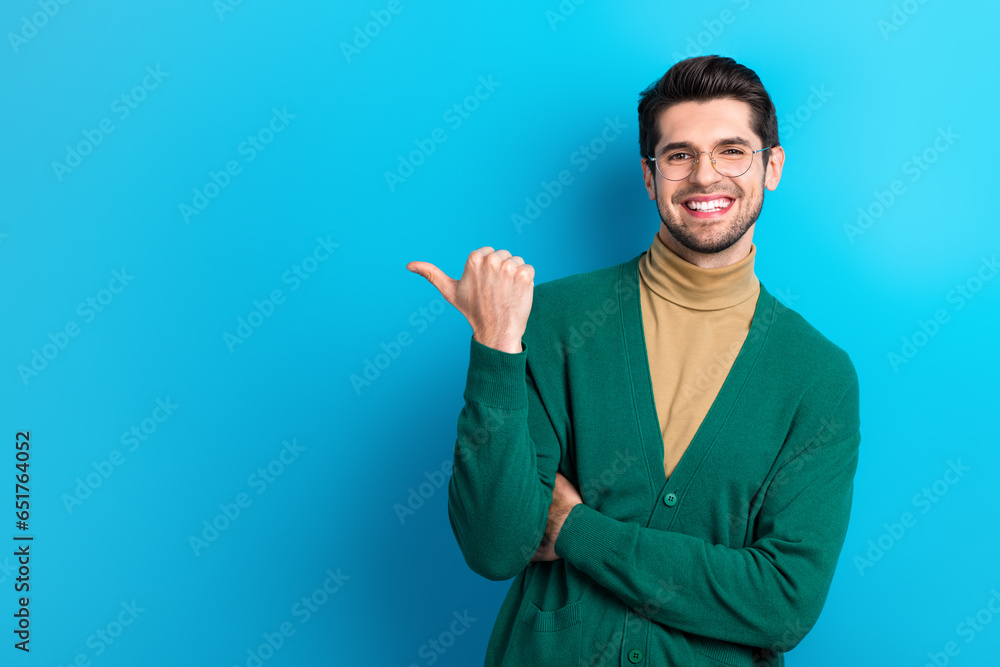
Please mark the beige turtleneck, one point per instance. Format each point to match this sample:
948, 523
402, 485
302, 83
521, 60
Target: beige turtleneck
695, 321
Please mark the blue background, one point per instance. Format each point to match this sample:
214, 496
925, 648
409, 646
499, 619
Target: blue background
362, 449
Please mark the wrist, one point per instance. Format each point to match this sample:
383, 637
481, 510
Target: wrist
496, 378
505, 343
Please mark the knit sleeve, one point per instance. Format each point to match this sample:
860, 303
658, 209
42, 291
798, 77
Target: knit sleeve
768, 594
505, 462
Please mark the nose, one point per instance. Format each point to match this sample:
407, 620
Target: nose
704, 172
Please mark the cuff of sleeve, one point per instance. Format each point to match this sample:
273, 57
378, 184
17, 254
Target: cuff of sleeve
588, 539
497, 378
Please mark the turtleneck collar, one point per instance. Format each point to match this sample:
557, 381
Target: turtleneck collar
671, 277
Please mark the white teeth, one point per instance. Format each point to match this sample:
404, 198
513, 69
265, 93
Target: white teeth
714, 205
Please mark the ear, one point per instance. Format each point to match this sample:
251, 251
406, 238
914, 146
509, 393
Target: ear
649, 177
775, 161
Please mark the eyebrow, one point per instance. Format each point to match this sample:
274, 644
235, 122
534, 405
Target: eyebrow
684, 144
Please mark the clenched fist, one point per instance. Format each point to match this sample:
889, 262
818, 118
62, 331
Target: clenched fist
494, 294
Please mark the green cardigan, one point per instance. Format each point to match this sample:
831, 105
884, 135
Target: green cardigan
727, 562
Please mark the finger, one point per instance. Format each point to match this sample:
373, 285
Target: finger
436, 277
476, 257
498, 260
516, 259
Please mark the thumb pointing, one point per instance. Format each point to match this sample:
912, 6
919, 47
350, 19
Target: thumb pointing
436, 277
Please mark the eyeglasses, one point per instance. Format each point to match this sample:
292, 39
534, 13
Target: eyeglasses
730, 160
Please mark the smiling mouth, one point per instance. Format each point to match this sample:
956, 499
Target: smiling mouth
711, 206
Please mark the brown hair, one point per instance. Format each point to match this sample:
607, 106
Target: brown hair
699, 80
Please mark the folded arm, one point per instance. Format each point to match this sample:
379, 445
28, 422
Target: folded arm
768, 594
506, 457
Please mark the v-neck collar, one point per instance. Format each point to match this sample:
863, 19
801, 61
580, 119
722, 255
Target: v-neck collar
641, 382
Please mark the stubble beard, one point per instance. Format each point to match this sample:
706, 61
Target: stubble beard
725, 238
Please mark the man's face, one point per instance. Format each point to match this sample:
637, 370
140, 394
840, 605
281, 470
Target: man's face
701, 125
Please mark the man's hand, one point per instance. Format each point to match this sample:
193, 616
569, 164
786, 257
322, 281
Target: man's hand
494, 294
564, 498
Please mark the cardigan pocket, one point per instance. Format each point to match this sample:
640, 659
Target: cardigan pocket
550, 638
724, 653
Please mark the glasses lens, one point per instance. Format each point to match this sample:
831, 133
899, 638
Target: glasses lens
732, 159
675, 165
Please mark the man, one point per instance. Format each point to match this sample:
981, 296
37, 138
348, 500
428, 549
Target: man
660, 452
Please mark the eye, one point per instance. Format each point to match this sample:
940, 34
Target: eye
731, 151
678, 157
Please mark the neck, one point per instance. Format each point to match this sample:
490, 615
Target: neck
674, 278
709, 260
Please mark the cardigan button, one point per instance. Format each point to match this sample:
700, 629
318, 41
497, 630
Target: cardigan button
670, 499
634, 656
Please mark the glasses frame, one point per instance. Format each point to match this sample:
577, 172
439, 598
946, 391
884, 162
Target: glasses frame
697, 159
